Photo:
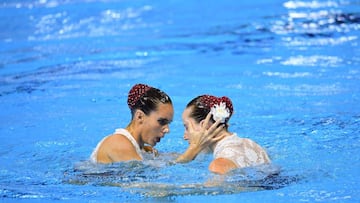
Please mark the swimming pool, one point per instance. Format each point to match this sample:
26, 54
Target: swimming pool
290, 67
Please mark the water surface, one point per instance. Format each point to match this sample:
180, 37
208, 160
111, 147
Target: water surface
290, 68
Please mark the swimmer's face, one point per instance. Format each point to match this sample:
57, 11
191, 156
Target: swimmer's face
157, 124
187, 120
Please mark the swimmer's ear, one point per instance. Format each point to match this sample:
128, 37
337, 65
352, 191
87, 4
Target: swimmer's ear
203, 123
206, 122
139, 115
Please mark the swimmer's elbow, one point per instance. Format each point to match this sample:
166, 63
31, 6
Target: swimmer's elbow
221, 166
217, 170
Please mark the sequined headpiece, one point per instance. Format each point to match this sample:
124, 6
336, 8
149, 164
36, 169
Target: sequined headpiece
220, 107
136, 92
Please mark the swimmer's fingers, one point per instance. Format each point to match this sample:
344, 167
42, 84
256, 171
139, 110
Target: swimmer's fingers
207, 119
155, 152
214, 128
151, 150
218, 137
218, 130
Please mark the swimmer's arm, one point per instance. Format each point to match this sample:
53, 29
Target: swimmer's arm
194, 149
201, 138
190, 154
222, 166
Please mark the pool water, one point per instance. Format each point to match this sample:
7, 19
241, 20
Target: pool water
291, 69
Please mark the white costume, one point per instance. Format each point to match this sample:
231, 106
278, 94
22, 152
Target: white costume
121, 132
242, 151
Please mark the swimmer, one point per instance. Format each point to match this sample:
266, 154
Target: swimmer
151, 113
203, 114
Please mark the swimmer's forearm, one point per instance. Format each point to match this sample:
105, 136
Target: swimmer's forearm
189, 155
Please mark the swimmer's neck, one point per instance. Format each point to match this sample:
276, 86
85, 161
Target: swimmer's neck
224, 133
135, 134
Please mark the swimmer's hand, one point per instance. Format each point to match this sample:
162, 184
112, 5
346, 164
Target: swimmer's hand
202, 138
151, 150
205, 136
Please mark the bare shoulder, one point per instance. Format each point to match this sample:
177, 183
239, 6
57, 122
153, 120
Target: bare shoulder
118, 141
117, 148
221, 165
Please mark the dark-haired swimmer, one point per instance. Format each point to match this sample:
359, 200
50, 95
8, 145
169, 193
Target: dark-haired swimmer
209, 113
152, 112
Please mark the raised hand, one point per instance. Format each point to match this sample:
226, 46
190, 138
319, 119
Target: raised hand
151, 150
204, 136
201, 138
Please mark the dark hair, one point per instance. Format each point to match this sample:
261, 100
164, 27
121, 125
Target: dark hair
199, 110
201, 107
149, 101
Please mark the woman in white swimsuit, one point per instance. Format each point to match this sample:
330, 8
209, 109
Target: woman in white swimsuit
152, 112
230, 151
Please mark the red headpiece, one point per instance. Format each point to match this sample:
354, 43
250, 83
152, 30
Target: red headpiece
209, 101
136, 92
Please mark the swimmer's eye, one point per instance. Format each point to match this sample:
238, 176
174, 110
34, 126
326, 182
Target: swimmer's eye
163, 121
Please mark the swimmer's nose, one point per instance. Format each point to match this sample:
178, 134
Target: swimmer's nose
166, 130
186, 137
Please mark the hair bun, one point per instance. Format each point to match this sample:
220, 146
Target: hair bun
210, 101
135, 93
228, 103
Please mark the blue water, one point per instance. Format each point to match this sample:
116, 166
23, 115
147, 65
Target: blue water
291, 69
